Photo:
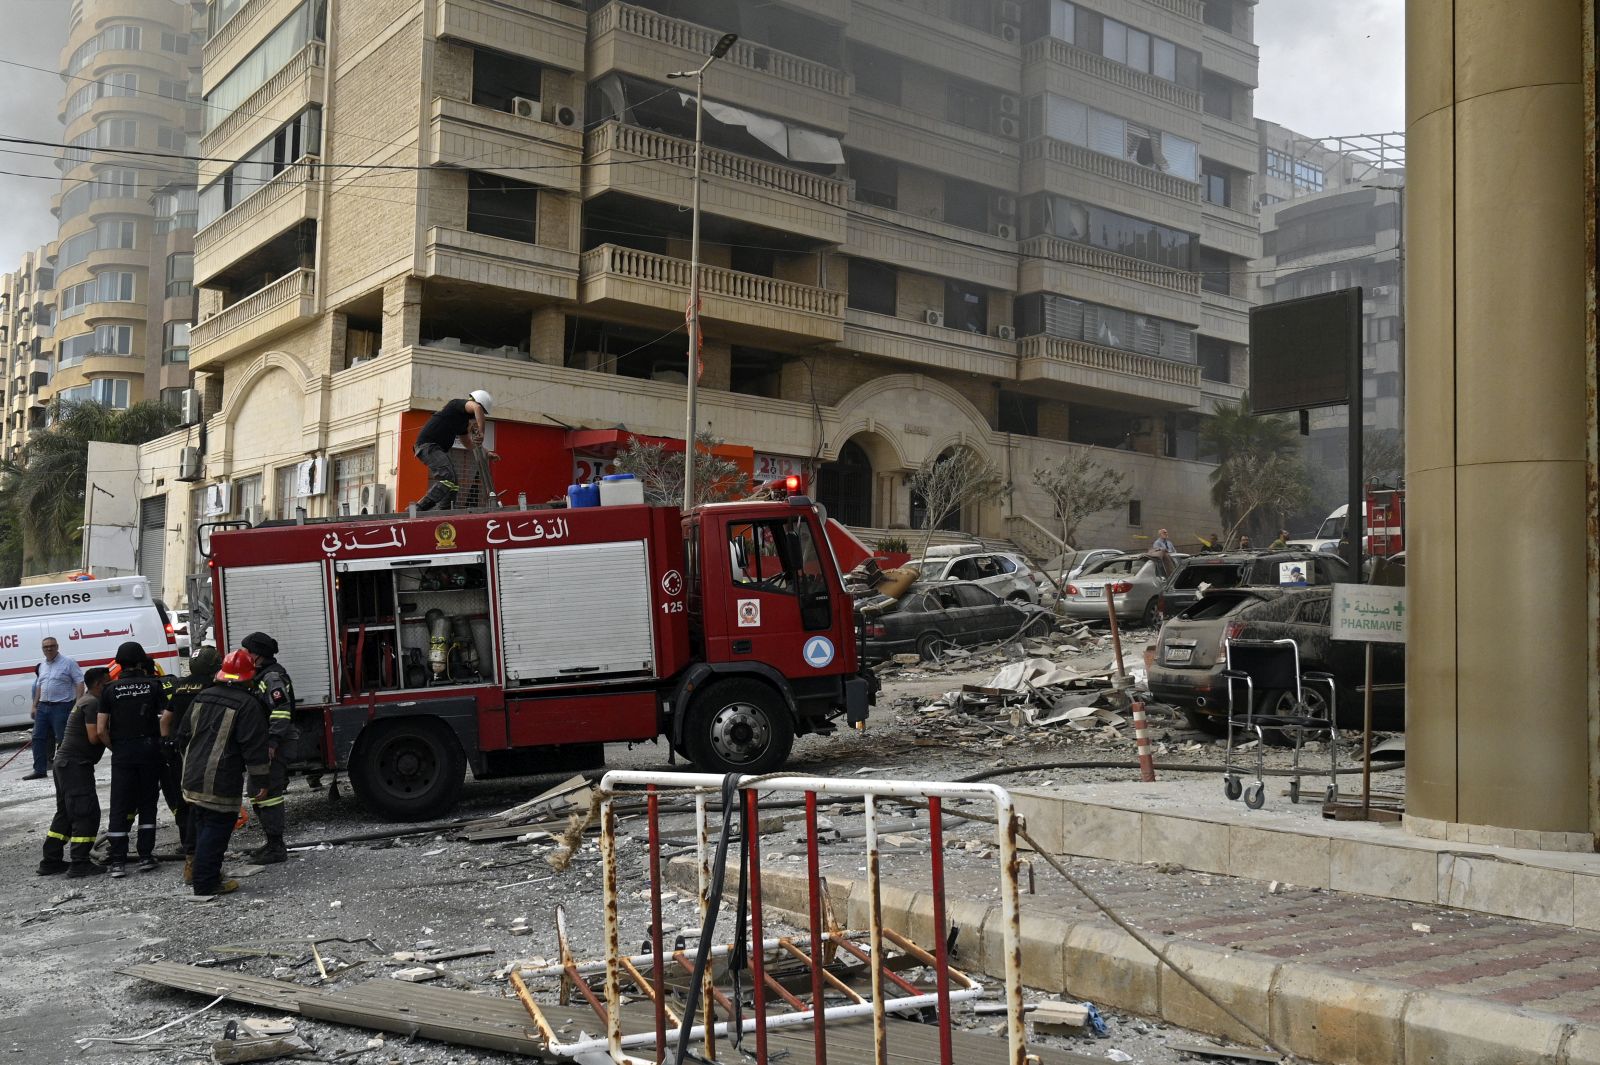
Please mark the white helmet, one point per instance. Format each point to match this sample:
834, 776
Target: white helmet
482, 399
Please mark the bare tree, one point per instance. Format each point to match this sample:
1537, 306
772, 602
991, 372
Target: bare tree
1078, 486
1264, 484
961, 477
660, 470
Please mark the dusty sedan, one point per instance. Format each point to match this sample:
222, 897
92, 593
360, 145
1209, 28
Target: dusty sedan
953, 614
1131, 581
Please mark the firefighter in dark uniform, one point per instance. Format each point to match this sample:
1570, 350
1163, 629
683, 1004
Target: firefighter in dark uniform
203, 666
223, 737
463, 418
77, 820
277, 691
130, 724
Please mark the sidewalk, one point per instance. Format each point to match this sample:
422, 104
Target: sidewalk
1331, 976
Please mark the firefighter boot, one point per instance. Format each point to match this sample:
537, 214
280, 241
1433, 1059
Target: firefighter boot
272, 852
226, 887
51, 866
84, 868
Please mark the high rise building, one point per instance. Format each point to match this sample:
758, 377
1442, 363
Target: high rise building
27, 338
1019, 227
124, 252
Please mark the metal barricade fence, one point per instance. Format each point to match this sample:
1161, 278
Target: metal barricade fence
812, 951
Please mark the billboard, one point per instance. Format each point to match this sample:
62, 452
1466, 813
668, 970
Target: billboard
1302, 351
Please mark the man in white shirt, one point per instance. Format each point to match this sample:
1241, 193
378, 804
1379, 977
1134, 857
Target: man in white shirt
1163, 543
56, 686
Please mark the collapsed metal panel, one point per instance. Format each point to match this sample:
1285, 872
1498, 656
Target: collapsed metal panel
288, 602
575, 613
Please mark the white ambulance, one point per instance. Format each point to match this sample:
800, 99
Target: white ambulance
89, 619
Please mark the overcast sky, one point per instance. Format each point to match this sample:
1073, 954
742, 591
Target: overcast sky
1327, 67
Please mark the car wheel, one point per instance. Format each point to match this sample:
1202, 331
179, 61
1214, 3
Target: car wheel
1210, 724
1039, 626
929, 644
409, 769
1148, 619
1279, 702
738, 726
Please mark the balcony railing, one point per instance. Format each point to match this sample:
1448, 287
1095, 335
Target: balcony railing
692, 37
288, 181
293, 286
1069, 154
1193, 9
1075, 254
663, 147
1110, 360
306, 60
1099, 66
668, 272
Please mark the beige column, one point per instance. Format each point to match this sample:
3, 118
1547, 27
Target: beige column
1499, 699
402, 313
547, 339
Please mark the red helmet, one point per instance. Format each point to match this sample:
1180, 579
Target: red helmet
237, 666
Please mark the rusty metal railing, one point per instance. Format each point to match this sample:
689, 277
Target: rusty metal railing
819, 955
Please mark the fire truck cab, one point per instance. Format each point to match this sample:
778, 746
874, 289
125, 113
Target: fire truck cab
521, 641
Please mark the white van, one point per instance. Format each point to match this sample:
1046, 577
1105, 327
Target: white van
89, 619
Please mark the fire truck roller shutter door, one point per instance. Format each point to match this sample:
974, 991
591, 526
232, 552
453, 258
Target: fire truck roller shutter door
576, 612
290, 601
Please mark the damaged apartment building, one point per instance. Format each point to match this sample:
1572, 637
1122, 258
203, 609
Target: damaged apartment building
1018, 225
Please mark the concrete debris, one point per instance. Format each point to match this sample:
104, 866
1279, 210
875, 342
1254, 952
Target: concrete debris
416, 974
1053, 1017
260, 1028
1418, 926
236, 1051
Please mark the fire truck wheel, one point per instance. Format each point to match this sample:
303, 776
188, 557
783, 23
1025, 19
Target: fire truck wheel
409, 769
738, 726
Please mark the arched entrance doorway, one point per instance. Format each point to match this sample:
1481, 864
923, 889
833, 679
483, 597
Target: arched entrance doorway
844, 485
952, 522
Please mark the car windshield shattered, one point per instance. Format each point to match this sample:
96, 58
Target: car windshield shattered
1209, 576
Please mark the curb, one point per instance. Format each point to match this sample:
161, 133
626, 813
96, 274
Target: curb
1313, 1013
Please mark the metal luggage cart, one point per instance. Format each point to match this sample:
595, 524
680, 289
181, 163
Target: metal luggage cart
1272, 667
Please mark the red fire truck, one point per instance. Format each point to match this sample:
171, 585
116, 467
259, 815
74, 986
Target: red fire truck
520, 641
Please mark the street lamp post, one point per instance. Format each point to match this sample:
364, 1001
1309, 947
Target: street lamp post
692, 313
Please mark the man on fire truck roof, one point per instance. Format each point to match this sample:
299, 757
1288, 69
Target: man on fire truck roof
464, 418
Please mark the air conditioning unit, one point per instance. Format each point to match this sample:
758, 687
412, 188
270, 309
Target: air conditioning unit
933, 318
561, 115
523, 107
1009, 105
1006, 332
1008, 127
375, 499
1011, 11
251, 514
1382, 290
190, 408
1004, 205
1010, 32
1005, 231
189, 464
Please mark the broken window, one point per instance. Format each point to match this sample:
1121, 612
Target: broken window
872, 287
966, 307
498, 79
1018, 414
501, 207
877, 73
877, 179
966, 204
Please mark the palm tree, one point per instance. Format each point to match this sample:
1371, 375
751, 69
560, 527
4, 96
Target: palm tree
41, 494
1240, 442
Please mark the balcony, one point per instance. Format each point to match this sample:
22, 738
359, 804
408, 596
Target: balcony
260, 316
1052, 51
289, 198
462, 134
1233, 58
533, 272
907, 340
1071, 253
1053, 265
1230, 142
1227, 317
658, 166
1235, 232
944, 44
891, 236
746, 305
293, 88
1114, 373
636, 40
1189, 9
1050, 165
932, 143
542, 30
